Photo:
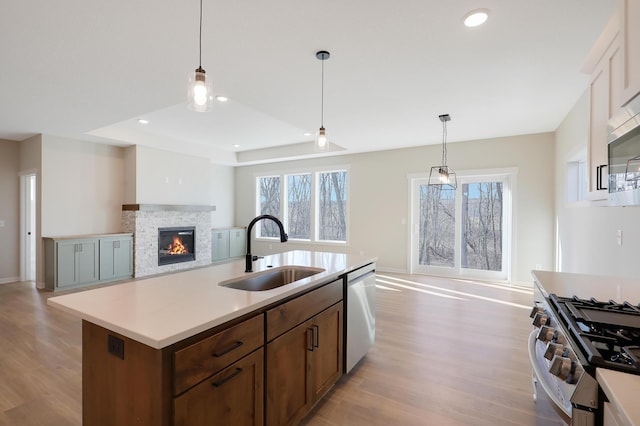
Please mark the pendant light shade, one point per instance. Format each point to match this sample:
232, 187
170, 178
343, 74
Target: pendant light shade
322, 143
200, 97
443, 176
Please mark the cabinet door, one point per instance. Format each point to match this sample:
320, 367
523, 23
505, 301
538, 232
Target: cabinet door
604, 100
327, 352
288, 390
66, 273
87, 258
220, 245
232, 397
237, 242
116, 258
124, 258
631, 49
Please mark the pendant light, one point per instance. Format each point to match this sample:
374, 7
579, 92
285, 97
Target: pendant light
200, 97
322, 144
443, 176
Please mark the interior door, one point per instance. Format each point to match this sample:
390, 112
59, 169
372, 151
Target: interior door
462, 232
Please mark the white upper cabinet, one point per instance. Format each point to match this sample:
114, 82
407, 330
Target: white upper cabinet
630, 26
605, 92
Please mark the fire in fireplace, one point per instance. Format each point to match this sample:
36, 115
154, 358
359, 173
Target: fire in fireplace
176, 245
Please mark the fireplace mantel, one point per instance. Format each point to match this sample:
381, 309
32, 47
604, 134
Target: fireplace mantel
168, 208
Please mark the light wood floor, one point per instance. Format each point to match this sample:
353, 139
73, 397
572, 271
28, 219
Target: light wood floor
447, 353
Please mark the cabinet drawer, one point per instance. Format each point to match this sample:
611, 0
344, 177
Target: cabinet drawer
298, 310
208, 356
232, 397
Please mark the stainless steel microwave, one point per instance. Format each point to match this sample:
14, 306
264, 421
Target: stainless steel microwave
624, 155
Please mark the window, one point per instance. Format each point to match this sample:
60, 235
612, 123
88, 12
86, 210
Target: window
314, 205
577, 177
466, 231
299, 206
269, 197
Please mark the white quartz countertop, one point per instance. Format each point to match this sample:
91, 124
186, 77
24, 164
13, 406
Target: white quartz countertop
163, 310
622, 390
603, 288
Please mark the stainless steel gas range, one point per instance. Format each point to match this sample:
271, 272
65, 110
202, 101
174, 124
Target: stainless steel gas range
574, 334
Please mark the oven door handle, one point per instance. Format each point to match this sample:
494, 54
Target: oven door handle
540, 376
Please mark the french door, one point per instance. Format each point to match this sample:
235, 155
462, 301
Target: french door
464, 232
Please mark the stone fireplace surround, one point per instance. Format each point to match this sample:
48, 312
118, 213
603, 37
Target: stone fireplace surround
143, 221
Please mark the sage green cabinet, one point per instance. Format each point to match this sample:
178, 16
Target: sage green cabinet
219, 244
116, 258
79, 261
237, 242
76, 262
228, 243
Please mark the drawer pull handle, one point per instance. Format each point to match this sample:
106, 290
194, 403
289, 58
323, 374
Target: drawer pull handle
226, 379
236, 345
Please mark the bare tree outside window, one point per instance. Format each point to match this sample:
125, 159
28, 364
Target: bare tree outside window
482, 220
318, 198
332, 200
269, 204
299, 206
437, 226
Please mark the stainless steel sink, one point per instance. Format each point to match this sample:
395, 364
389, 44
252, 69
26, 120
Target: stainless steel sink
272, 278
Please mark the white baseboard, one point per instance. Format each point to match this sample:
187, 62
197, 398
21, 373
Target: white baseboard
391, 270
9, 280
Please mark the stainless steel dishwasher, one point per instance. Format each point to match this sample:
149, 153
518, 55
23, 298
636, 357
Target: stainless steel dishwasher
360, 332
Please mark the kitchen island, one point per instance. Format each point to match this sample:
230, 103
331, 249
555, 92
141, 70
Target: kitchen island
158, 350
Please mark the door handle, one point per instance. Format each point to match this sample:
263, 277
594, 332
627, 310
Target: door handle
310, 339
599, 174
316, 336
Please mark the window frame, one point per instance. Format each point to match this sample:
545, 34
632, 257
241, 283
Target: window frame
314, 207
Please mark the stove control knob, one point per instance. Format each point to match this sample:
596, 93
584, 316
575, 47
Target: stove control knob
553, 349
540, 319
535, 310
576, 373
561, 367
546, 333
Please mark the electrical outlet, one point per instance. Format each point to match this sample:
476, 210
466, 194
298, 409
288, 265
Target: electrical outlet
115, 346
619, 237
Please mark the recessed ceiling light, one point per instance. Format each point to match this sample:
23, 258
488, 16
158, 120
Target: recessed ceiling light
235, 145
222, 98
476, 17
143, 121
307, 134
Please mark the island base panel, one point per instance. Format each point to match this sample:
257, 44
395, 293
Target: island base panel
118, 391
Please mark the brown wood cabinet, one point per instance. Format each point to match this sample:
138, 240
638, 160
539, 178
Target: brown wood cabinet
232, 397
220, 376
306, 360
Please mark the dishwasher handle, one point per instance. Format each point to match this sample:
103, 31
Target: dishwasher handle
355, 275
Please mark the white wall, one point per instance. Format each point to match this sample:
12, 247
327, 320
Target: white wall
222, 194
9, 211
82, 187
164, 177
378, 200
587, 240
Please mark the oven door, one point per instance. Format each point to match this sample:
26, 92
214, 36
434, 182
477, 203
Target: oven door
558, 391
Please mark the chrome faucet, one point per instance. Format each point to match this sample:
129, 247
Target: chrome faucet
283, 238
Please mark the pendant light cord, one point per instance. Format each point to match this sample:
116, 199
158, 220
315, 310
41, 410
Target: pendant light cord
200, 39
322, 93
444, 143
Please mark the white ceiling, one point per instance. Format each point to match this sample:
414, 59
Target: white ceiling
88, 69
